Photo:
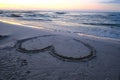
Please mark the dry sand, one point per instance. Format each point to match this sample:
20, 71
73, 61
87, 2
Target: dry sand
37, 54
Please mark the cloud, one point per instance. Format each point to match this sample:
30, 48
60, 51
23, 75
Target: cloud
112, 1
115, 1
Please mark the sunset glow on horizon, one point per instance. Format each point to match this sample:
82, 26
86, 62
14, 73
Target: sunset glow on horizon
60, 5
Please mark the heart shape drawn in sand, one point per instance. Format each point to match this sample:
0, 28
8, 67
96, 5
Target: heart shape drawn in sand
61, 47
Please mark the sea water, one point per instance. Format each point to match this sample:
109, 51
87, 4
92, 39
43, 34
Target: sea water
100, 24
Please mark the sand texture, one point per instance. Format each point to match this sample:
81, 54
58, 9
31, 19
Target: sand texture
37, 54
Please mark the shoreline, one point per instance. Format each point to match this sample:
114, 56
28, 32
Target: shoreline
62, 32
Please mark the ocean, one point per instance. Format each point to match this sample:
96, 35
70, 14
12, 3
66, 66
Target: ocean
99, 24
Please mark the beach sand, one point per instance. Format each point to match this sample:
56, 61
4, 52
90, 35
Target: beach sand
28, 53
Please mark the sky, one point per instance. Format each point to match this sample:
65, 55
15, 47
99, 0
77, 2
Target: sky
105, 5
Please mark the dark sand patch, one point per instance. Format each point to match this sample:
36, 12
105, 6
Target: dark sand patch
3, 37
